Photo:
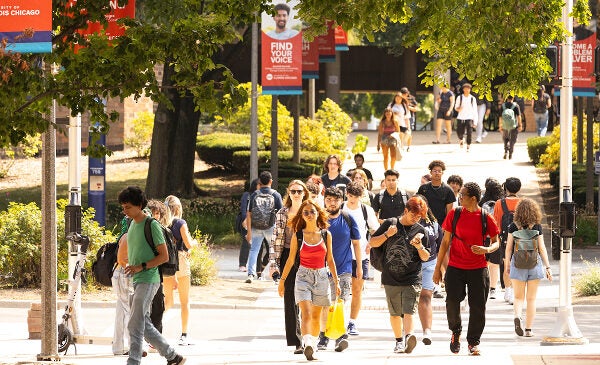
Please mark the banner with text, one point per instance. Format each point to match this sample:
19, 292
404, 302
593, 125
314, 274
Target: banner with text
310, 59
326, 44
584, 80
281, 52
341, 39
26, 25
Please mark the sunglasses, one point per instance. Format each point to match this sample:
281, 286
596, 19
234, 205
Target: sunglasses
294, 191
307, 213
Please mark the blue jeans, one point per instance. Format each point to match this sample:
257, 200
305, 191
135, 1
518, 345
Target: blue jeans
257, 237
140, 326
121, 285
541, 121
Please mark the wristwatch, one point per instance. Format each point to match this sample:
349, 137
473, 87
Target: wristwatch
144, 266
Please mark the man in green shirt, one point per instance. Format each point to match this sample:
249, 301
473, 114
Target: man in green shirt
143, 266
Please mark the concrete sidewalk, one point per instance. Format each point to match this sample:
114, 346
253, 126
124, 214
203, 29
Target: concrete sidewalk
254, 333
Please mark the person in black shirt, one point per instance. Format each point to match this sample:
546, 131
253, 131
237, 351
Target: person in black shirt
440, 196
391, 201
333, 176
359, 160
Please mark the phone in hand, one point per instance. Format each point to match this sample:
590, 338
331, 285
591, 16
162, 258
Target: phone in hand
419, 235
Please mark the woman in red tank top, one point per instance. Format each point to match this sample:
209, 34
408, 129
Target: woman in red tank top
312, 283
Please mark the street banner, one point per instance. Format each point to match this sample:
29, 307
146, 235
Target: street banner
326, 44
341, 39
26, 25
584, 45
310, 60
281, 50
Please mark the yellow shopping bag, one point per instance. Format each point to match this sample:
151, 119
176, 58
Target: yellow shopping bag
335, 327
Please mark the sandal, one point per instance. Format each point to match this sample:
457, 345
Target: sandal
436, 142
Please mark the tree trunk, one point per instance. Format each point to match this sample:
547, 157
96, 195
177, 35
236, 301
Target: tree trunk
171, 168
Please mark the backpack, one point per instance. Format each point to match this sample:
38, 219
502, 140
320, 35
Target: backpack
509, 119
488, 206
170, 267
263, 211
377, 254
526, 248
540, 105
364, 212
106, 261
507, 219
457, 211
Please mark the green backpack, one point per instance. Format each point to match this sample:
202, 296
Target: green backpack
526, 248
509, 119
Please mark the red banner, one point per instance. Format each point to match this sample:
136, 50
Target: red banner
310, 60
341, 39
326, 44
281, 51
584, 45
26, 25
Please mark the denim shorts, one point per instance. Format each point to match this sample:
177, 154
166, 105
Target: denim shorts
536, 273
403, 299
312, 285
365, 268
345, 280
427, 269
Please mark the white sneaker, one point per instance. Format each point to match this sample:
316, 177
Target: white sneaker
485, 133
509, 295
183, 340
493, 293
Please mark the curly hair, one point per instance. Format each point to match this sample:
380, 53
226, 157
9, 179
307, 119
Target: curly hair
474, 190
297, 223
164, 214
326, 163
527, 213
437, 163
355, 188
493, 191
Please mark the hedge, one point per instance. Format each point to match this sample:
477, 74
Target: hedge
536, 147
241, 159
218, 148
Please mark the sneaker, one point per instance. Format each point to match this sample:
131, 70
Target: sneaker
510, 156
427, 337
399, 348
299, 350
323, 342
242, 269
518, 328
485, 133
461, 142
511, 296
468, 148
493, 293
183, 341
411, 342
250, 279
455, 342
177, 360
309, 352
474, 350
341, 343
352, 330
528, 332
438, 294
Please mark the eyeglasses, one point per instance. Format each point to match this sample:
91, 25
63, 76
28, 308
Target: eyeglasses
437, 171
306, 213
294, 191
461, 195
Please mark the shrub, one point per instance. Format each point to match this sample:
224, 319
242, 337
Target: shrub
218, 148
588, 283
202, 262
551, 159
360, 144
241, 159
20, 249
337, 123
141, 134
536, 147
586, 233
213, 217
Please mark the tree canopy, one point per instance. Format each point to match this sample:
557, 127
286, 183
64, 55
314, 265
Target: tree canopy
481, 39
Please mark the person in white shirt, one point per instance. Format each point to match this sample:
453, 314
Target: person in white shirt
367, 222
466, 106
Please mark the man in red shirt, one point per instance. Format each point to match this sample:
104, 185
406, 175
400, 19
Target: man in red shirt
467, 270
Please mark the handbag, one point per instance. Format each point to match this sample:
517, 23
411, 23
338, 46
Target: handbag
335, 327
396, 136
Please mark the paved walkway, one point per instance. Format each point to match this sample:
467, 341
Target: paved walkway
254, 334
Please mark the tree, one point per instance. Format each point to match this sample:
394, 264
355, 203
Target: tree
482, 39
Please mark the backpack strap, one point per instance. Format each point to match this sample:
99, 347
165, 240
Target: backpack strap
483, 224
457, 211
148, 235
504, 206
347, 218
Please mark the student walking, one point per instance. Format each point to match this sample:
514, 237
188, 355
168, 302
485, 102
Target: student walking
466, 106
525, 281
405, 247
444, 103
510, 125
143, 266
388, 137
280, 255
311, 288
465, 229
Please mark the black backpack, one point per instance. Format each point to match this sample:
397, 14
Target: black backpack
263, 210
507, 219
170, 267
106, 261
457, 211
377, 254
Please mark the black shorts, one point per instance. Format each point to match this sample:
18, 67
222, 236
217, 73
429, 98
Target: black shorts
403, 129
497, 256
441, 114
365, 267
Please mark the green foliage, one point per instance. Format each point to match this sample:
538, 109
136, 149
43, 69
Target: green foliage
141, 134
425, 109
551, 159
360, 144
20, 249
239, 121
536, 147
358, 105
29, 147
588, 283
587, 231
202, 262
213, 217
241, 159
218, 148
336, 122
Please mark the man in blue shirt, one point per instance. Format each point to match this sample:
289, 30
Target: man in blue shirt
345, 235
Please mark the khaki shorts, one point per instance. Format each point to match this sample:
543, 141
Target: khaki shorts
184, 265
402, 300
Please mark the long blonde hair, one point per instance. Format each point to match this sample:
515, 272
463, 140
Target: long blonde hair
174, 205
